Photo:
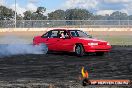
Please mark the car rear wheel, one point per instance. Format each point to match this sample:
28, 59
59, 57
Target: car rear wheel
100, 53
79, 50
44, 48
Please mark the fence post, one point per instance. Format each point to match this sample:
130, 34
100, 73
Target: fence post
128, 23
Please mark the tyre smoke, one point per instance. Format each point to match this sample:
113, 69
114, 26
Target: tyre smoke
18, 46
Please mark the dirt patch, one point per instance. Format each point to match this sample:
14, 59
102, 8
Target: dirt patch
63, 69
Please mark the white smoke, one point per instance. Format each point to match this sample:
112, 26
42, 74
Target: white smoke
17, 46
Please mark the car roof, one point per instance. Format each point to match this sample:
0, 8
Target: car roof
63, 29
59, 29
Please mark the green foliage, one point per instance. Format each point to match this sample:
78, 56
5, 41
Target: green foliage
6, 13
118, 16
69, 14
77, 14
130, 17
114, 16
27, 15
57, 15
41, 10
37, 15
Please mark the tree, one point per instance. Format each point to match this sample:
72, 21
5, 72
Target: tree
97, 17
41, 10
37, 15
77, 14
6, 13
118, 16
27, 15
19, 17
57, 15
130, 17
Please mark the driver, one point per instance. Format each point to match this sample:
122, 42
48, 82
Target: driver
62, 35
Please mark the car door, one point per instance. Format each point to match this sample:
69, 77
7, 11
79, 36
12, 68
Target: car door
65, 44
51, 40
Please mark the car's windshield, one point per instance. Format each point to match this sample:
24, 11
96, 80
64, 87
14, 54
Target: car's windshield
78, 33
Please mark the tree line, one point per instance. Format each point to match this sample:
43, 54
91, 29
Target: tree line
69, 14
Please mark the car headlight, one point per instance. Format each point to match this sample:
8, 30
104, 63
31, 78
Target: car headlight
93, 44
108, 43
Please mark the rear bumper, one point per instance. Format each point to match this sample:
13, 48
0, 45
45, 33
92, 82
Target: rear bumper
99, 48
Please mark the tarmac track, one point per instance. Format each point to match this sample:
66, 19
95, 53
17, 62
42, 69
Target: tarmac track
64, 69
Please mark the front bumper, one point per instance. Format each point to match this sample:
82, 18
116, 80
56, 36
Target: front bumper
98, 48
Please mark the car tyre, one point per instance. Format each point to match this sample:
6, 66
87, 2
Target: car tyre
79, 50
44, 48
100, 53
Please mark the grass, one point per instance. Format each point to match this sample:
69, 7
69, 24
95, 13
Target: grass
114, 38
117, 40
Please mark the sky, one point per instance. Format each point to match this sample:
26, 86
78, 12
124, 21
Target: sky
99, 7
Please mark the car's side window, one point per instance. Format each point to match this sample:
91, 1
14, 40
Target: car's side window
81, 34
73, 33
46, 35
63, 34
54, 34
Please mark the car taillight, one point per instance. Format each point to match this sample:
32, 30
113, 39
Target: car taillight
93, 44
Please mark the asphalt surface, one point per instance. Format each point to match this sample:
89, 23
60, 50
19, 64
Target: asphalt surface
63, 70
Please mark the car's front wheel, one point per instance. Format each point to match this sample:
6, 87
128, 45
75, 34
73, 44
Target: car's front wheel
79, 50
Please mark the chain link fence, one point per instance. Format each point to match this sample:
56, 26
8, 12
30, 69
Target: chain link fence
65, 23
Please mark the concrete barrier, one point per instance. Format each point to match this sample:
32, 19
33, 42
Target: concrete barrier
46, 29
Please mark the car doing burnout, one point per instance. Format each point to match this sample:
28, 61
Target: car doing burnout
72, 41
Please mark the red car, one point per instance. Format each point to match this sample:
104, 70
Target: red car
72, 41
